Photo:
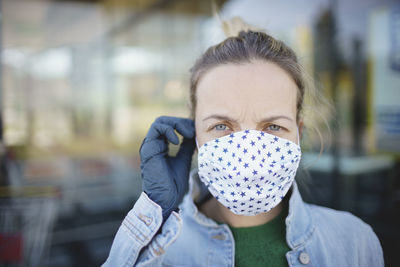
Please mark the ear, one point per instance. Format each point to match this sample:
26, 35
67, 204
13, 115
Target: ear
301, 127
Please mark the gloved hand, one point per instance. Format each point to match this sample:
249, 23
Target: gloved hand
165, 178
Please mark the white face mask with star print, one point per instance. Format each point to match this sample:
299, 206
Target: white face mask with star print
249, 172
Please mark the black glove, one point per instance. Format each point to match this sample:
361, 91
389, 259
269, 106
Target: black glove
165, 178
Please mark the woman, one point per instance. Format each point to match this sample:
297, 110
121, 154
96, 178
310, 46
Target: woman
247, 101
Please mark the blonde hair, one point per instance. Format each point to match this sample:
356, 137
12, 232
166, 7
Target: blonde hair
235, 25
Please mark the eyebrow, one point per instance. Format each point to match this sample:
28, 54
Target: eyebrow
227, 118
274, 118
219, 117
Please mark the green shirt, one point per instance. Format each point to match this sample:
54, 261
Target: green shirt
263, 245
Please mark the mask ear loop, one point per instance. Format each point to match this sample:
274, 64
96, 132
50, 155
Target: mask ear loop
197, 144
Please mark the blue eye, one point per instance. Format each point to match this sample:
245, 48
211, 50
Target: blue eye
274, 127
220, 127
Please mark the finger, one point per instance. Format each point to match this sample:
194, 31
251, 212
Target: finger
186, 150
184, 126
184, 157
151, 148
158, 130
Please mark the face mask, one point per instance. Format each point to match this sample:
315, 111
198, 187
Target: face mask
249, 172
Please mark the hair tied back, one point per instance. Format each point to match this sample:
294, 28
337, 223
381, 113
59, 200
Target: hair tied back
235, 25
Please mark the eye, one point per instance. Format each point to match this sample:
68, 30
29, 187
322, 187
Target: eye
274, 127
220, 127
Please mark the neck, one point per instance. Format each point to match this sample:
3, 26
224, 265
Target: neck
215, 210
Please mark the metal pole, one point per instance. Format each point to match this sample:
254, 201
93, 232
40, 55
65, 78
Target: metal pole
3, 169
1, 73
359, 102
334, 75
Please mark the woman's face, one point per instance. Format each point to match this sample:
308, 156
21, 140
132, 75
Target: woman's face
254, 96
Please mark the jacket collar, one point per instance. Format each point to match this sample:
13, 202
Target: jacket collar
299, 224
197, 190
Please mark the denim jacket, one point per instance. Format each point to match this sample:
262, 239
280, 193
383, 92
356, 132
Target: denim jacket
317, 236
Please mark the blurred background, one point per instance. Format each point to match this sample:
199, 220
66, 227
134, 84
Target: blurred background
81, 82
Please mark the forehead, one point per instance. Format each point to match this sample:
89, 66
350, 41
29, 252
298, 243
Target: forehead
257, 87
